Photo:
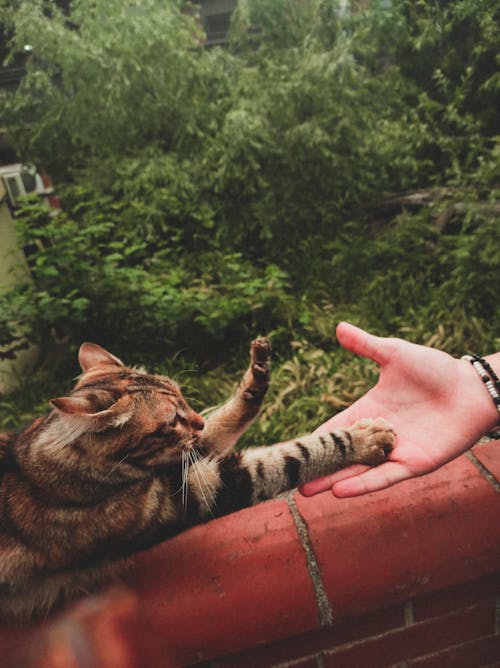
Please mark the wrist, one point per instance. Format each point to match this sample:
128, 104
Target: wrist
483, 408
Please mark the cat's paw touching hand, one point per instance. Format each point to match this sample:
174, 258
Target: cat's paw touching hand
372, 440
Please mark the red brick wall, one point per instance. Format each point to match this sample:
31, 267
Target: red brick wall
456, 627
406, 577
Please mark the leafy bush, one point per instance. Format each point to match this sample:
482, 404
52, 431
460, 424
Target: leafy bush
90, 282
209, 195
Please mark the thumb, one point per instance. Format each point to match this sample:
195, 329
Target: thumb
363, 343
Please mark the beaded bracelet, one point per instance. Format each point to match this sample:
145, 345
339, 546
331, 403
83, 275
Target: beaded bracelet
488, 369
491, 381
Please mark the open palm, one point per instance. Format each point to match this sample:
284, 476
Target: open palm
426, 394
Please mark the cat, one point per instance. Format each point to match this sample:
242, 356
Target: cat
124, 463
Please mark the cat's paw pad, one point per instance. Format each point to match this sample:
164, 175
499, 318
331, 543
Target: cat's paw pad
260, 357
256, 380
373, 440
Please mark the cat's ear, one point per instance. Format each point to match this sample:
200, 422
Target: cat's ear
86, 407
73, 405
91, 355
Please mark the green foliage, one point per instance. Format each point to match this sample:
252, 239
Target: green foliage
103, 81
91, 282
210, 195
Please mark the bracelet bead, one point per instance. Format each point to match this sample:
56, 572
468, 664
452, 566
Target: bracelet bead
488, 369
491, 381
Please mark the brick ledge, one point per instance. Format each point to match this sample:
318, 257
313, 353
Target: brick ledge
264, 575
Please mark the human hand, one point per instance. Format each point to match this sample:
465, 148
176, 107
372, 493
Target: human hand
437, 405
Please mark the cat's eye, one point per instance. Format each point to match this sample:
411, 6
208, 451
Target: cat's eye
178, 419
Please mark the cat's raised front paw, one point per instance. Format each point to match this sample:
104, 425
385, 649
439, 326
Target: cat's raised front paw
257, 382
372, 440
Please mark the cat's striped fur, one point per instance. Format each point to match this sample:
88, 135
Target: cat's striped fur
124, 462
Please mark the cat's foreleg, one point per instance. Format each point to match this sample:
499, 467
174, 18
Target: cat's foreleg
227, 423
246, 478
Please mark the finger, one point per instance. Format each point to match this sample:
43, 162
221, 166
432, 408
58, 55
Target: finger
316, 486
363, 343
374, 479
323, 484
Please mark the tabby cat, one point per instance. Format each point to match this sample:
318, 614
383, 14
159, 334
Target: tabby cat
124, 463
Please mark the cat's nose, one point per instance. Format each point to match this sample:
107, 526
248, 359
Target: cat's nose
197, 422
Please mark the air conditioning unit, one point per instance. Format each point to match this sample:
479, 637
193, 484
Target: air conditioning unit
20, 180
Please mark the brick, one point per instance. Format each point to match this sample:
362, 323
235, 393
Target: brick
455, 598
101, 631
419, 536
374, 623
480, 652
317, 641
488, 454
227, 585
114, 631
413, 641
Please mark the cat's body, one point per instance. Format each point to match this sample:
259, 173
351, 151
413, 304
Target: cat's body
124, 463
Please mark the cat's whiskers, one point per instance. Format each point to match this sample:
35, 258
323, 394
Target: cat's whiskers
193, 460
203, 481
183, 489
185, 479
